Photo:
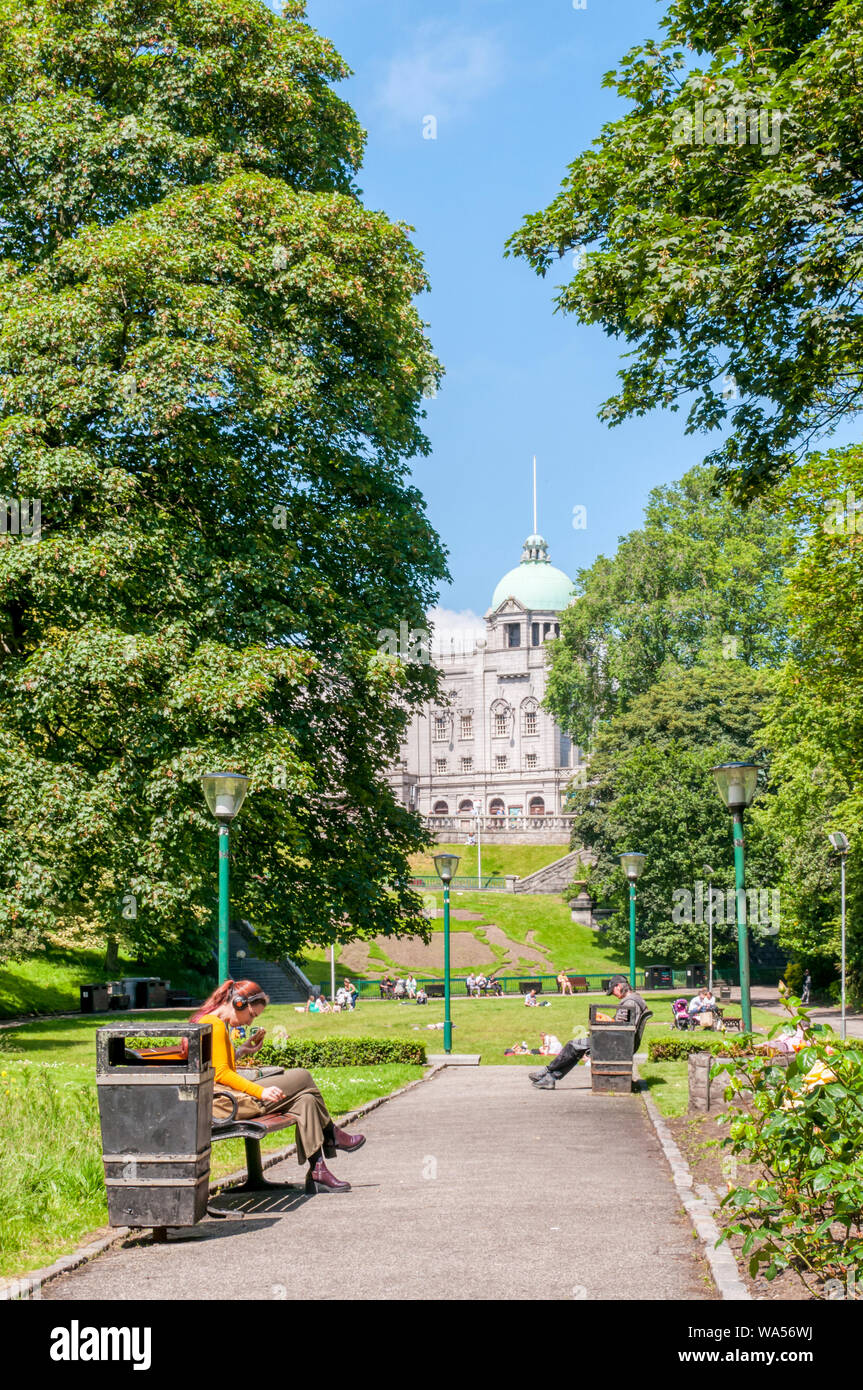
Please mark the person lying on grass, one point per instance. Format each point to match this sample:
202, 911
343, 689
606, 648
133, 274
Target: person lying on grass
238, 1005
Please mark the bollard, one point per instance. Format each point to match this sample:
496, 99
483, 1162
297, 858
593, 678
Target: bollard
156, 1117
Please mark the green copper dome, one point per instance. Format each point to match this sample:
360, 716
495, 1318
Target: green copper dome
535, 582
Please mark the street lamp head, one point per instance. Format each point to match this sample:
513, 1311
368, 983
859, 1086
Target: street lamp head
736, 783
839, 841
446, 865
632, 865
225, 793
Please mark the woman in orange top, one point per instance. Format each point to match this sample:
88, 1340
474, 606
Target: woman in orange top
236, 1005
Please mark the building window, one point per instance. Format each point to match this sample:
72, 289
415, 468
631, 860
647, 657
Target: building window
530, 725
534, 634
466, 726
440, 729
466, 808
500, 725
500, 763
531, 760
440, 809
467, 764
536, 807
440, 765
513, 632
496, 807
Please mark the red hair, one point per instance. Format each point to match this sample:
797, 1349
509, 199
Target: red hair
246, 989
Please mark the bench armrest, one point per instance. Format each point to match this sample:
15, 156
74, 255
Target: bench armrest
225, 1120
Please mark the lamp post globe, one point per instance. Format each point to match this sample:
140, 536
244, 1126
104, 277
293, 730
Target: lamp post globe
736, 784
224, 793
446, 865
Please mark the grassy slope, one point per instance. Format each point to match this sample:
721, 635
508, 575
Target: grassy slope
571, 947
496, 859
49, 981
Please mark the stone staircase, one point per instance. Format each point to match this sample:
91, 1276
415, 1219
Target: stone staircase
556, 876
283, 982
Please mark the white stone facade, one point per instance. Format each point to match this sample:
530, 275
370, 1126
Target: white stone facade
488, 746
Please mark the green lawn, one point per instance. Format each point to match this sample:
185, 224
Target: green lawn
668, 1084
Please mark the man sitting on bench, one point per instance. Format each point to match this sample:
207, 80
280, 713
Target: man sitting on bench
631, 1008
235, 1005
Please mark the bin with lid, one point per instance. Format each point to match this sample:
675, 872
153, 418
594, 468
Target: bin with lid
156, 1116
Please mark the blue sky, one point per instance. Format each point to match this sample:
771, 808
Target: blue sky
516, 91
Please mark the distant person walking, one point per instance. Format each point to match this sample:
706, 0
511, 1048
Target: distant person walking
807, 989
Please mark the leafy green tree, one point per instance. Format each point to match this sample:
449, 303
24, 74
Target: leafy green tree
719, 218
815, 724
700, 581
651, 789
211, 380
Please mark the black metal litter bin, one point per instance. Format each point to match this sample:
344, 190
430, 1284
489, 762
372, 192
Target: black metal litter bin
94, 999
611, 1053
156, 1117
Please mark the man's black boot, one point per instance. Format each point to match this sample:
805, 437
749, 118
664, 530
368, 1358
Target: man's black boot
545, 1083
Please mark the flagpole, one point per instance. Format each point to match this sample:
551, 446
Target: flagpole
534, 494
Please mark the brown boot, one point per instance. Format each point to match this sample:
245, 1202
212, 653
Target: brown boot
335, 1139
320, 1179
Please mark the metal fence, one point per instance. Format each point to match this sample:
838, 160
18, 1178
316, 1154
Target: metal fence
595, 982
488, 882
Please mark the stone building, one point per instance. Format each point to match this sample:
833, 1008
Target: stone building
488, 748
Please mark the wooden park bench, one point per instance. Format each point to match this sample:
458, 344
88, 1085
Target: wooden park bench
579, 984
251, 1131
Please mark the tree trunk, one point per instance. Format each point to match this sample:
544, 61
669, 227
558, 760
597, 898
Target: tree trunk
112, 955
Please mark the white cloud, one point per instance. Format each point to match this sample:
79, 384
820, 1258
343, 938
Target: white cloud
442, 74
455, 633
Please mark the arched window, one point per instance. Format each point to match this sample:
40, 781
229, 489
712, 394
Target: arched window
529, 717
536, 807
500, 713
466, 807
496, 807
440, 809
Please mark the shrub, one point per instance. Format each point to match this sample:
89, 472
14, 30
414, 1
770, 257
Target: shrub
678, 1047
337, 1052
804, 1131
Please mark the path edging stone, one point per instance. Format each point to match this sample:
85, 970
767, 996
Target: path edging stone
723, 1265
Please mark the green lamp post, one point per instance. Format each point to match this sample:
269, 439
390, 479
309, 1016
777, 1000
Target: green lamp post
736, 783
632, 865
446, 865
225, 793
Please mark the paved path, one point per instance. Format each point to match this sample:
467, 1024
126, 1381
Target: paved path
767, 997
471, 1186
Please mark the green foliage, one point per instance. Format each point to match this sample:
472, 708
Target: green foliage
714, 257
815, 723
682, 1044
339, 1052
700, 583
53, 1186
651, 789
211, 375
805, 1136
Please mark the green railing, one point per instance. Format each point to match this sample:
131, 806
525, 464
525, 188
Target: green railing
488, 882
595, 981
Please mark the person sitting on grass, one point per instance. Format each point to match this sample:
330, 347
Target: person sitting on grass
422, 997
530, 999
237, 1004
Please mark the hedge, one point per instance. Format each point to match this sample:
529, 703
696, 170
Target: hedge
338, 1052
675, 1049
